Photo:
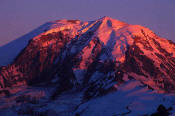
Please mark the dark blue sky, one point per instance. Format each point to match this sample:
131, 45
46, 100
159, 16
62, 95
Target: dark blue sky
18, 17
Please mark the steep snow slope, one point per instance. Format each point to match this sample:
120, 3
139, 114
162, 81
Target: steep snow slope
131, 99
12, 49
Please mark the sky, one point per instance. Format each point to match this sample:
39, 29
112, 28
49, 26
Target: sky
18, 17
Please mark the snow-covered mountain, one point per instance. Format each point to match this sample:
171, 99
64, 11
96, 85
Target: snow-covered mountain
99, 64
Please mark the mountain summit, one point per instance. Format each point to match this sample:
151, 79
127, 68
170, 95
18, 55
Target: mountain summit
95, 58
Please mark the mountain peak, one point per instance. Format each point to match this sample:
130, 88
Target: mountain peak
92, 59
111, 22
105, 17
102, 41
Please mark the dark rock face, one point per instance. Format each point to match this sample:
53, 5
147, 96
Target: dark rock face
162, 111
10, 76
35, 63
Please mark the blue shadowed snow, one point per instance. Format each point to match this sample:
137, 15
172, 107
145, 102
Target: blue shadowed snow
11, 50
